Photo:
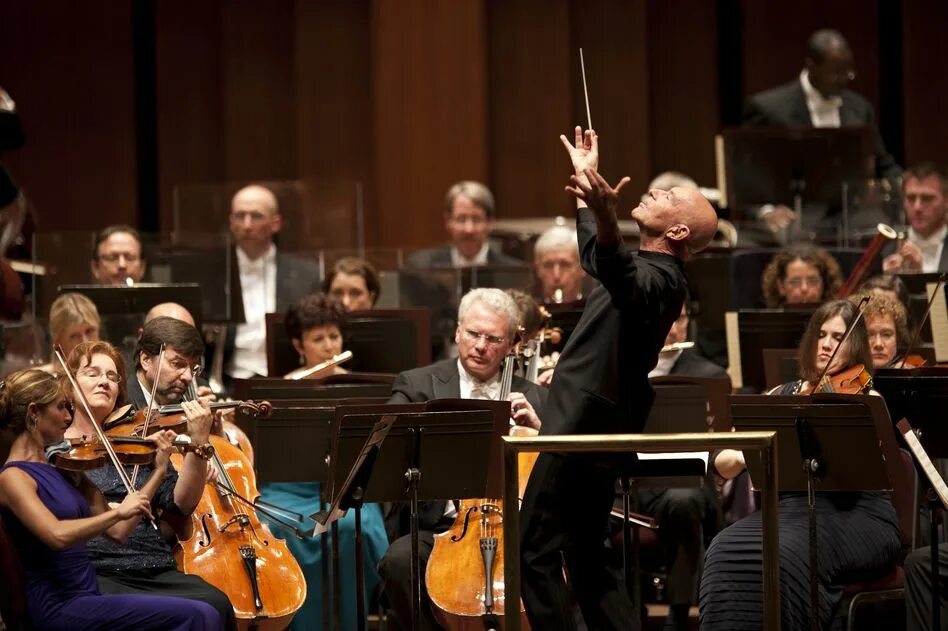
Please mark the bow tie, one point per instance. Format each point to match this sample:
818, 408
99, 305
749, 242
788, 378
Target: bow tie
485, 390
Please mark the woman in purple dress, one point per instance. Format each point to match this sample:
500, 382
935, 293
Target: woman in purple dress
50, 515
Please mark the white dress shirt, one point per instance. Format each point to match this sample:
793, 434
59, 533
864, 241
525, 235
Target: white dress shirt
931, 247
459, 260
258, 286
666, 361
824, 112
474, 388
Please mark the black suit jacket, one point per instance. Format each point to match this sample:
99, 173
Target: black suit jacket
441, 257
601, 380
785, 106
692, 364
295, 278
440, 380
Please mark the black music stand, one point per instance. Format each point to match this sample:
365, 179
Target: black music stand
274, 388
767, 328
821, 433
920, 396
417, 440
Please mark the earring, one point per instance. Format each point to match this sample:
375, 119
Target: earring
302, 359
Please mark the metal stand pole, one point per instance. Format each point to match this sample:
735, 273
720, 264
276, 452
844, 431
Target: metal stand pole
934, 513
414, 476
811, 466
336, 592
361, 622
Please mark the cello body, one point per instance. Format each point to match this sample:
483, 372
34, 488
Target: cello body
230, 548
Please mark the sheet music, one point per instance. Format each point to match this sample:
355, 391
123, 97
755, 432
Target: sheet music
938, 317
922, 457
732, 331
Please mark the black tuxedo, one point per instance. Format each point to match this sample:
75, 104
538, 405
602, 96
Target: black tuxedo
440, 380
600, 386
692, 364
785, 106
441, 257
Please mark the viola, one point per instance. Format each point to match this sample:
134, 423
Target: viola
854, 380
909, 361
127, 421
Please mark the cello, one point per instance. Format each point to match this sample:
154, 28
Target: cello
465, 573
230, 548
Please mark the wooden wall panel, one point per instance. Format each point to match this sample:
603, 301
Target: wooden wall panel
925, 84
531, 84
683, 87
70, 71
429, 64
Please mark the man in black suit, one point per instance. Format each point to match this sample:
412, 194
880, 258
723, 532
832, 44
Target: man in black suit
468, 219
270, 281
487, 322
925, 194
601, 386
819, 97
686, 362
184, 349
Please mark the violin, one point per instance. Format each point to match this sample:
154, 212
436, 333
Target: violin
854, 380
85, 453
127, 421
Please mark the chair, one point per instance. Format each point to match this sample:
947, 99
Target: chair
879, 603
12, 601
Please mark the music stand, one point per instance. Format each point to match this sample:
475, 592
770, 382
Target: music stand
821, 432
274, 388
751, 330
716, 393
780, 366
430, 441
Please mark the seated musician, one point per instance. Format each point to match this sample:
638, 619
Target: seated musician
73, 319
800, 274
314, 326
487, 322
888, 285
556, 264
859, 535
887, 329
353, 282
144, 563
117, 257
686, 362
50, 514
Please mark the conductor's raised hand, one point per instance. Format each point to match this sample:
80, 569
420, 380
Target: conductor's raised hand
599, 196
583, 151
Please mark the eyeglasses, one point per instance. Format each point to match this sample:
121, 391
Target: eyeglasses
474, 336
812, 281
180, 365
115, 256
463, 220
96, 373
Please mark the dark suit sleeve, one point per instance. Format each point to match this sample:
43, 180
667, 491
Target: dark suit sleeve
614, 268
754, 115
401, 389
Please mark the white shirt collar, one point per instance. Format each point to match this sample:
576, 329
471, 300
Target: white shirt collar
824, 112
458, 259
937, 238
489, 389
145, 391
244, 262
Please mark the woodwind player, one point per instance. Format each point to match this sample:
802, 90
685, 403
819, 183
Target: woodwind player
925, 188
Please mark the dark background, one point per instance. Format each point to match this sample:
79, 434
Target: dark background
123, 100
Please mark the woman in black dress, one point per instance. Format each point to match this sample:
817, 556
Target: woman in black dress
858, 533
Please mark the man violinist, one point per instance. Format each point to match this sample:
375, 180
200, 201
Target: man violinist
487, 323
601, 386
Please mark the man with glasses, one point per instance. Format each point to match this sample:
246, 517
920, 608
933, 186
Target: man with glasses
180, 365
556, 263
487, 323
270, 281
117, 257
468, 220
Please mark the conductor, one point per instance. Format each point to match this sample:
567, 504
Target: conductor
601, 386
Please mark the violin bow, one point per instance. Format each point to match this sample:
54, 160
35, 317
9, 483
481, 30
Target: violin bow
100, 433
152, 408
928, 309
849, 331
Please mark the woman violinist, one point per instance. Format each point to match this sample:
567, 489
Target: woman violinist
144, 563
50, 515
887, 328
314, 324
858, 532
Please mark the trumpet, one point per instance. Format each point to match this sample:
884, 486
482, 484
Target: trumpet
303, 373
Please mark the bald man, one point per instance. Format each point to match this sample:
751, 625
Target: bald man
601, 387
270, 281
169, 310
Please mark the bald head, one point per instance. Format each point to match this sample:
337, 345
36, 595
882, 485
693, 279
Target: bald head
169, 310
254, 219
679, 221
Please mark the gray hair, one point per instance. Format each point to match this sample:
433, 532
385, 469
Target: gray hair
476, 192
494, 300
556, 238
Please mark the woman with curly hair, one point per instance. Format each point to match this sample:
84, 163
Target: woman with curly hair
887, 326
801, 274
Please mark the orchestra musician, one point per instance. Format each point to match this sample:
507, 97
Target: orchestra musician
801, 273
353, 282
925, 193
50, 515
73, 319
887, 285
556, 264
686, 362
144, 562
314, 325
601, 386
731, 596
887, 328
117, 257
487, 323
